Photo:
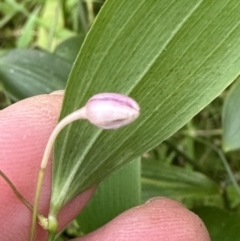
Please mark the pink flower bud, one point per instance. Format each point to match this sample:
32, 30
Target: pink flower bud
111, 111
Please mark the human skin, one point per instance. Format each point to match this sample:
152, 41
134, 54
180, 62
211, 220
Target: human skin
24, 130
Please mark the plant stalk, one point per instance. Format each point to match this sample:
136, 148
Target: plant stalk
76, 115
16, 192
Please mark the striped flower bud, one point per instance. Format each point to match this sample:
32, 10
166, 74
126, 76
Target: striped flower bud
111, 111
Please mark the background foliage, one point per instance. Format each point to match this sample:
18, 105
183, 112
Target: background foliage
191, 166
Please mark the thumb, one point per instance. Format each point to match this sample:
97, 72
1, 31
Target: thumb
25, 128
158, 219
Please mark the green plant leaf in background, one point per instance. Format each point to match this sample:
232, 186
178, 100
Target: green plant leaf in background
69, 48
173, 57
231, 119
49, 38
175, 182
4, 100
25, 73
222, 225
117, 193
28, 30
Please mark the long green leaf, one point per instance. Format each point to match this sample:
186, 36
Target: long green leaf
231, 119
159, 179
173, 57
25, 73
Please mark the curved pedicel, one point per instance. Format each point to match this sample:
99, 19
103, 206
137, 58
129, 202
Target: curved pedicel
105, 110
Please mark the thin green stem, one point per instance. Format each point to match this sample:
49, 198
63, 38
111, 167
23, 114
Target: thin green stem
224, 162
184, 155
229, 171
82, 15
52, 226
51, 236
90, 12
36, 200
16, 192
204, 133
53, 27
79, 114
41, 218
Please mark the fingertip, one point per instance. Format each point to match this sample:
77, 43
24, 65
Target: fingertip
188, 225
25, 128
58, 92
159, 219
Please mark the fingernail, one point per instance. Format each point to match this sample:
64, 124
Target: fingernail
57, 92
154, 199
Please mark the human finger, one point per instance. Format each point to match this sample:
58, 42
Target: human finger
160, 219
24, 130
